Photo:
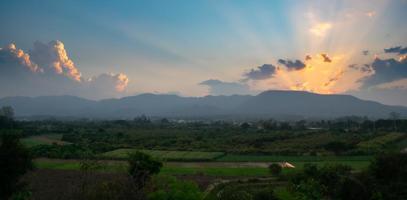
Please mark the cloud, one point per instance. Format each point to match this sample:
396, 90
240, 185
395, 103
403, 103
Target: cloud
326, 57
321, 74
320, 29
54, 56
11, 54
386, 70
261, 72
397, 49
400, 84
308, 57
217, 87
47, 70
295, 65
118, 82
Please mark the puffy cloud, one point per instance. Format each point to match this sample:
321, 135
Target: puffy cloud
110, 81
11, 54
320, 29
261, 72
47, 70
217, 87
397, 49
53, 55
295, 65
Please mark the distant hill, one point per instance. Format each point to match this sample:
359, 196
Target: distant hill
276, 104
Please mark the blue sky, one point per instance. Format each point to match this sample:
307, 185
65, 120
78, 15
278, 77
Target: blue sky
174, 46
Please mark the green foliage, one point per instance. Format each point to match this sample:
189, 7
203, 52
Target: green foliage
233, 193
60, 151
275, 169
169, 188
141, 167
15, 161
329, 181
6, 117
376, 144
390, 174
338, 147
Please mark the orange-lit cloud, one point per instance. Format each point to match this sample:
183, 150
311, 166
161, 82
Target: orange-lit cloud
47, 70
22, 57
121, 82
318, 76
53, 55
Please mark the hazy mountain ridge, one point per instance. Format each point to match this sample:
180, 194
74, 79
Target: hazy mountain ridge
267, 104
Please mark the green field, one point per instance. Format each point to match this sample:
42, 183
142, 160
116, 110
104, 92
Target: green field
43, 140
166, 155
239, 169
275, 158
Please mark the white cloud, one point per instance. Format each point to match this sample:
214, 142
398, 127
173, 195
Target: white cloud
48, 70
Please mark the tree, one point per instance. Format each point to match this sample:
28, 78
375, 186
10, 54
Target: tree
394, 116
275, 169
6, 117
141, 167
15, 161
7, 111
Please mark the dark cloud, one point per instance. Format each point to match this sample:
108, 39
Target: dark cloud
218, 87
308, 57
261, 72
295, 65
326, 58
386, 71
397, 49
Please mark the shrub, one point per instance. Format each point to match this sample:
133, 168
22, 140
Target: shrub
275, 169
141, 167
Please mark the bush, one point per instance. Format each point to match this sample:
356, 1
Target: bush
275, 169
141, 167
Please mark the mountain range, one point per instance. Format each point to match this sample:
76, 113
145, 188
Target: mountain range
268, 104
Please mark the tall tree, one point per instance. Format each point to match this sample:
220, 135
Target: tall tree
15, 161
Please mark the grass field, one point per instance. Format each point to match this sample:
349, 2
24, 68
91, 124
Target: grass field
241, 169
166, 155
43, 139
273, 158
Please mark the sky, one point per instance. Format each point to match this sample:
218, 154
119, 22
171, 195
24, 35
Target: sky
110, 49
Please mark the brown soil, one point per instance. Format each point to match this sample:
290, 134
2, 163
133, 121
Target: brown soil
62, 184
